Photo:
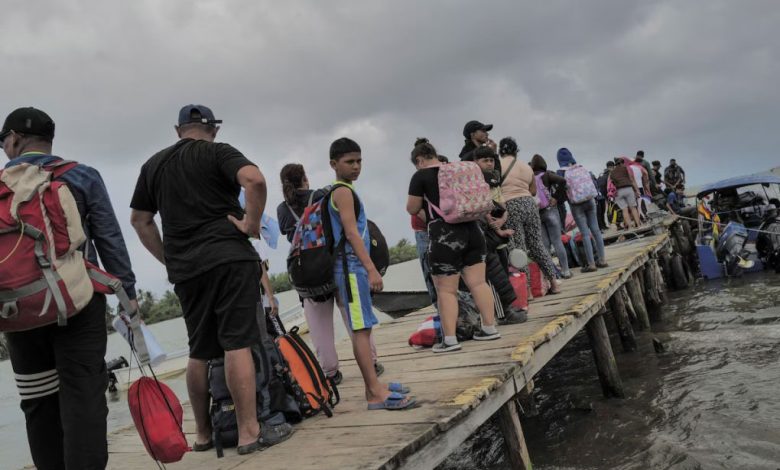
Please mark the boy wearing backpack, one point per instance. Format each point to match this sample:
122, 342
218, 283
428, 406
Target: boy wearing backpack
355, 275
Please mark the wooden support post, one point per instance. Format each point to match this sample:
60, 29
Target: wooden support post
629, 305
611, 384
509, 424
651, 289
659, 283
625, 330
638, 301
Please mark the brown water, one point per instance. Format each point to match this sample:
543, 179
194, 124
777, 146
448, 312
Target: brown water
709, 400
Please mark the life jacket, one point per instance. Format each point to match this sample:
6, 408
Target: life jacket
44, 277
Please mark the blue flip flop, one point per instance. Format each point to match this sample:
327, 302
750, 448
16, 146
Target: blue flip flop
398, 387
396, 401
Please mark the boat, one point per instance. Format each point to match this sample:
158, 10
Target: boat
738, 228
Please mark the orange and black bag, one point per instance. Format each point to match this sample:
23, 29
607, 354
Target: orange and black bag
319, 392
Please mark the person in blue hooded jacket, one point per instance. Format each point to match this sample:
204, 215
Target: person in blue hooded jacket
585, 216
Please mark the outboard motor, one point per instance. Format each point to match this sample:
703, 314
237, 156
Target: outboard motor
731, 248
111, 366
768, 244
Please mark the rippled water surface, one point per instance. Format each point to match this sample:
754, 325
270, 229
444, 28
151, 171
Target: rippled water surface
708, 400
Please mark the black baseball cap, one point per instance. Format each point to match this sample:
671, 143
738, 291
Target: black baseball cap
474, 126
197, 113
30, 121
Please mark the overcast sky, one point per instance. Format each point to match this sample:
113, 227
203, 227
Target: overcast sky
691, 80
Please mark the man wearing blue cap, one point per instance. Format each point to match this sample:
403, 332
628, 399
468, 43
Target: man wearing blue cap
194, 185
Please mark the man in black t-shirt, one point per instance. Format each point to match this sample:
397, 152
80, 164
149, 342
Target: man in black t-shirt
194, 185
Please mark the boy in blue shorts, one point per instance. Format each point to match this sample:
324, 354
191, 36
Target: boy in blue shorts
356, 275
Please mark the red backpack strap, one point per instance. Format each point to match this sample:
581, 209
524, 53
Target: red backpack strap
60, 167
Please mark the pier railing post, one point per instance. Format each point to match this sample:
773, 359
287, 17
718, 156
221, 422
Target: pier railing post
609, 376
516, 449
625, 330
638, 301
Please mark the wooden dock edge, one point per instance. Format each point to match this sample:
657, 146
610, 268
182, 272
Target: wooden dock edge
483, 401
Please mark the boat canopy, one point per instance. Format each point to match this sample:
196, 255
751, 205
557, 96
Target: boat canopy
738, 182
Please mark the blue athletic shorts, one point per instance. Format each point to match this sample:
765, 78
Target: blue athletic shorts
359, 311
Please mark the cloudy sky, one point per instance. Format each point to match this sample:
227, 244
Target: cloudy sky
685, 79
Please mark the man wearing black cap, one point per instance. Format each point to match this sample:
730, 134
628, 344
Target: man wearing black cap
194, 185
60, 370
476, 135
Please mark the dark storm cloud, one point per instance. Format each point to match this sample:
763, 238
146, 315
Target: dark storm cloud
695, 80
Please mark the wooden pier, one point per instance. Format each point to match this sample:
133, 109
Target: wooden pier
458, 391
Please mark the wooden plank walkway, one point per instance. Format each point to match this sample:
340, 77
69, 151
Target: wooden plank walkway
458, 391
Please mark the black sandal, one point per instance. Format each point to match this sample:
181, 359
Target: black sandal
196, 447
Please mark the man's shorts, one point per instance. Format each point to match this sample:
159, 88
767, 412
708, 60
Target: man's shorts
625, 197
220, 309
454, 247
359, 311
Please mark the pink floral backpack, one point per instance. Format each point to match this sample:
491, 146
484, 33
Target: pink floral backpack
464, 195
579, 184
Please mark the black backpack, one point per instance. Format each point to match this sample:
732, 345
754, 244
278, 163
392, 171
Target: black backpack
380, 253
223, 412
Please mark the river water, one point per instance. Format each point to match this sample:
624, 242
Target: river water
708, 401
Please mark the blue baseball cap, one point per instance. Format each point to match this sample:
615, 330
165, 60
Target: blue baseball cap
197, 113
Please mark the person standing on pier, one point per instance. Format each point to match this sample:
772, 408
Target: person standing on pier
627, 192
584, 213
356, 275
519, 187
640, 158
602, 184
317, 310
659, 176
673, 175
194, 185
60, 370
476, 135
549, 217
456, 250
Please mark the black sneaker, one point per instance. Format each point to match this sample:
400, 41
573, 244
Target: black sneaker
379, 368
514, 316
271, 435
336, 378
482, 336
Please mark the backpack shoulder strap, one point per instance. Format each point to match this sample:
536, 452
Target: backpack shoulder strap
511, 165
60, 167
295, 216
